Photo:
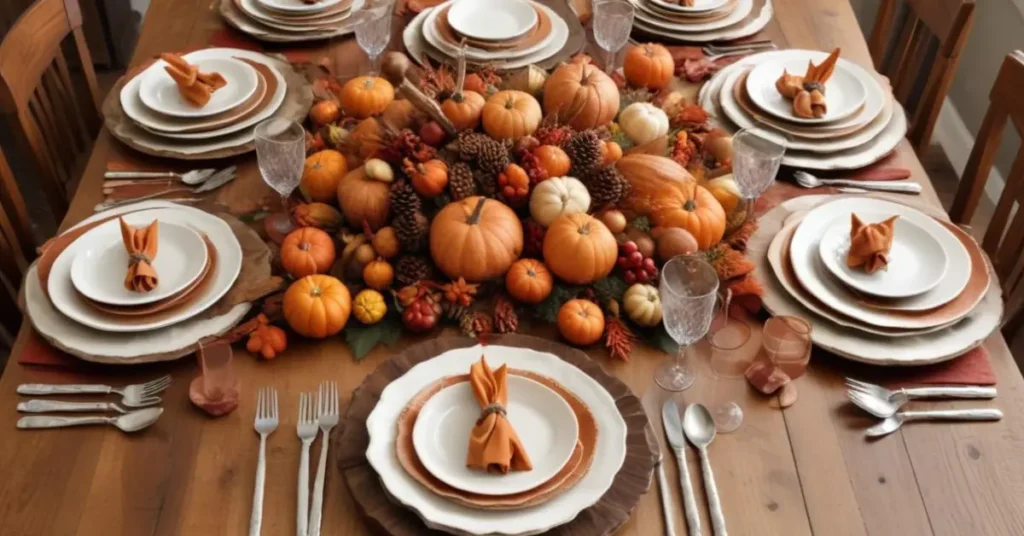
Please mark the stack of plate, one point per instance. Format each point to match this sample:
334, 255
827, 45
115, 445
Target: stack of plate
291, 20
932, 302
568, 423
863, 123
507, 34
704, 21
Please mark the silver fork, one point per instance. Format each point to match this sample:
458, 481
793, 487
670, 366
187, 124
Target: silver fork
807, 180
265, 424
136, 396
306, 430
327, 417
898, 397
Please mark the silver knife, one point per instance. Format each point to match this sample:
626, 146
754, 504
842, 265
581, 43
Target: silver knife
674, 432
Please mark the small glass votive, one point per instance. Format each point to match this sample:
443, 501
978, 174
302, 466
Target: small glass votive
727, 338
787, 342
215, 390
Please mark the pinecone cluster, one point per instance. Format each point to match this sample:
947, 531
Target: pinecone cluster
410, 269
606, 186
461, 183
397, 146
487, 156
411, 225
585, 151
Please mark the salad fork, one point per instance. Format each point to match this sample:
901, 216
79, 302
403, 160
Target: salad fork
265, 424
327, 418
136, 396
880, 400
306, 431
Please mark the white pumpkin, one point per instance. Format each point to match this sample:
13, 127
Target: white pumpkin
643, 122
557, 196
642, 304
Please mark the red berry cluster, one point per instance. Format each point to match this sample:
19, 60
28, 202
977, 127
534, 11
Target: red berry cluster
635, 267
534, 238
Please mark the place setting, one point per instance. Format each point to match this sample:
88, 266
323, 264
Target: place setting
286, 21
701, 21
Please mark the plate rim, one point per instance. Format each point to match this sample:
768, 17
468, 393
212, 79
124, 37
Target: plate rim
429, 34
738, 31
690, 9
863, 78
304, 8
743, 9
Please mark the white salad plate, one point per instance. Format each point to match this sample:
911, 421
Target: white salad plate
160, 93
699, 6
845, 91
256, 10
99, 269
297, 6
229, 263
747, 27
440, 513
558, 27
492, 20
545, 423
648, 15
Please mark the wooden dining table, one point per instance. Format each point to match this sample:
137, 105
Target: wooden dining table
807, 469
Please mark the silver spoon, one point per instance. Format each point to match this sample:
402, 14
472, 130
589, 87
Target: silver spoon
129, 422
807, 180
893, 423
700, 430
219, 179
192, 178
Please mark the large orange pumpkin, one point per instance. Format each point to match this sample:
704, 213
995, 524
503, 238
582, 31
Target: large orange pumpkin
693, 208
650, 66
579, 249
650, 178
475, 238
510, 115
581, 322
307, 251
529, 281
317, 306
364, 199
365, 96
321, 174
581, 95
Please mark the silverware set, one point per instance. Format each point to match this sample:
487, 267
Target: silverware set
714, 52
885, 404
847, 186
699, 429
193, 182
134, 416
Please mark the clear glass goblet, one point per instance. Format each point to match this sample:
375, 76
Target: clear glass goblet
756, 156
688, 289
281, 154
373, 30
613, 20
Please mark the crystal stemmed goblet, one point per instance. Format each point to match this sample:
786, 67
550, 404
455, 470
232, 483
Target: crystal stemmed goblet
688, 289
613, 20
756, 156
281, 154
373, 30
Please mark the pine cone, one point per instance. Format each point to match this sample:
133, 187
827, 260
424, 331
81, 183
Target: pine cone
468, 145
606, 186
404, 201
413, 268
476, 324
453, 311
412, 232
460, 181
493, 157
505, 318
584, 150
486, 183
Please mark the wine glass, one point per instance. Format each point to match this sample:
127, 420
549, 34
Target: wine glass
688, 289
756, 156
281, 154
613, 20
729, 358
373, 30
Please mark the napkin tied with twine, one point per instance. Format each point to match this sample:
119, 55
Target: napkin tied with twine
141, 244
494, 445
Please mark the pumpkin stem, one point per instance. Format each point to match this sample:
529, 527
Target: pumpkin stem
461, 80
315, 292
474, 218
304, 246
690, 205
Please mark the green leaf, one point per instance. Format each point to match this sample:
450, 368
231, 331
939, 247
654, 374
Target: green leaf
362, 339
547, 310
623, 140
610, 288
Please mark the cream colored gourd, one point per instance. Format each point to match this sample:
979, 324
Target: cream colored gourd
642, 304
643, 122
557, 196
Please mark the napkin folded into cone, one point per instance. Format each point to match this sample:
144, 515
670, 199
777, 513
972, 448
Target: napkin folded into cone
195, 86
870, 244
493, 444
808, 91
141, 244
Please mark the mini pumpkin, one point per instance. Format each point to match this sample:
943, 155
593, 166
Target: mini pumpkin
317, 306
321, 174
464, 109
319, 215
385, 242
529, 281
429, 178
378, 170
643, 305
364, 199
324, 112
366, 96
476, 238
725, 191
579, 249
555, 197
643, 122
267, 340
553, 159
650, 66
614, 220
514, 184
611, 152
307, 251
581, 95
378, 274
369, 306
580, 322
510, 115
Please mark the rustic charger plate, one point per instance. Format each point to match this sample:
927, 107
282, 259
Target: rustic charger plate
603, 518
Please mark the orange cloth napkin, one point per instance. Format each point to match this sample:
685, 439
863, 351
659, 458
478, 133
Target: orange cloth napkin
870, 244
141, 244
493, 443
194, 86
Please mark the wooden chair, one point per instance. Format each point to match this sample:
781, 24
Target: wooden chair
16, 248
1004, 238
921, 57
36, 87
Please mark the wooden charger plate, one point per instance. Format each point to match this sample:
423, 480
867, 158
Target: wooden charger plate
567, 477
539, 32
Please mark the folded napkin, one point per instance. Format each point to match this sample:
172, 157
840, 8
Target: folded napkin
972, 368
493, 443
870, 244
141, 244
196, 87
808, 91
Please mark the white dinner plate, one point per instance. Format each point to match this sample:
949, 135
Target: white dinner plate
297, 6
845, 91
492, 20
646, 14
476, 54
699, 6
440, 513
98, 271
545, 423
229, 263
160, 93
749, 26
917, 262
256, 10
818, 281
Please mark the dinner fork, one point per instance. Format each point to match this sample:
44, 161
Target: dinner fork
808, 180
137, 395
898, 397
327, 417
265, 424
306, 430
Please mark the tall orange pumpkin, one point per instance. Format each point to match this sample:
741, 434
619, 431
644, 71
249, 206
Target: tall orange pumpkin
307, 251
510, 115
475, 238
321, 174
365, 96
579, 249
364, 199
694, 208
317, 306
581, 95
528, 281
650, 178
650, 66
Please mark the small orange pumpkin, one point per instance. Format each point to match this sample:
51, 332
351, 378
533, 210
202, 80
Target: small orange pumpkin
317, 306
514, 184
267, 340
476, 238
611, 152
529, 281
307, 251
464, 109
510, 115
378, 274
553, 159
324, 112
650, 66
385, 242
321, 174
365, 96
429, 178
579, 249
693, 208
364, 199
581, 322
